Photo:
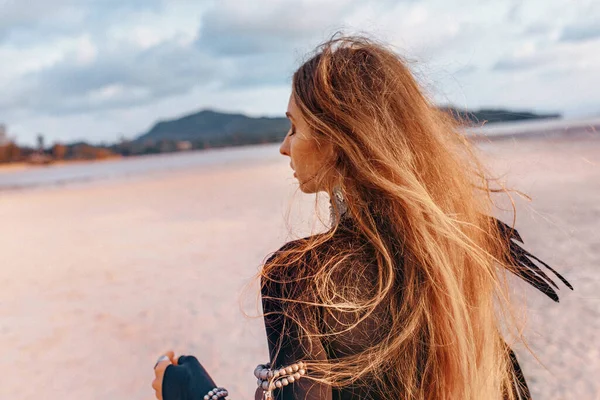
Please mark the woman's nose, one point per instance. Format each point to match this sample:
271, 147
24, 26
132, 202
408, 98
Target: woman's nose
284, 148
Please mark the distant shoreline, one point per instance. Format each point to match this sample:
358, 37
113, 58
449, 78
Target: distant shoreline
24, 165
25, 176
526, 130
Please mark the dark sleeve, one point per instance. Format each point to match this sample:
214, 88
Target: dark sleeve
286, 347
188, 380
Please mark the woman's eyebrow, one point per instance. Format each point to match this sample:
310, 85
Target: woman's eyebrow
287, 114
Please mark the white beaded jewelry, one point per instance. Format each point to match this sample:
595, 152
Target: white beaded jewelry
269, 379
216, 393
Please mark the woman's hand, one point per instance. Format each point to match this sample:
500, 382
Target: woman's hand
159, 373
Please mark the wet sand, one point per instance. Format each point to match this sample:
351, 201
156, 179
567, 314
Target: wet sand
98, 279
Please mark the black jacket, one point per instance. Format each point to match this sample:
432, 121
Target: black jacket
191, 381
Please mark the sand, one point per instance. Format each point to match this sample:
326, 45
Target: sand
98, 279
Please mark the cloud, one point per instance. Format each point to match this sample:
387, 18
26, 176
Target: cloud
538, 28
112, 79
514, 12
239, 47
33, 21
244, 28
581, 32
521, 63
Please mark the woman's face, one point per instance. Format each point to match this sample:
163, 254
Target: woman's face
307, 156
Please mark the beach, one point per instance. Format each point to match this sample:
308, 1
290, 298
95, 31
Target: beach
100, 277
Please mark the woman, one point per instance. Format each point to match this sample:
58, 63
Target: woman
400, 298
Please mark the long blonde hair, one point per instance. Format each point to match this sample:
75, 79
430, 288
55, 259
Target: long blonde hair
419, 198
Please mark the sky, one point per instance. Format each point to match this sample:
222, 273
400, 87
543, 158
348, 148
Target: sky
98, 70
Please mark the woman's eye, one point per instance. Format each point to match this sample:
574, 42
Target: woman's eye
292, 131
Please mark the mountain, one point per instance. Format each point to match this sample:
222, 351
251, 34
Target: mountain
214, 127
209, 128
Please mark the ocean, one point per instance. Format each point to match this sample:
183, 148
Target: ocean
52, 175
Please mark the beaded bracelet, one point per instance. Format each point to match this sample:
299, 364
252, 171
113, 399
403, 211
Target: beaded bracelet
216, 393
269, 379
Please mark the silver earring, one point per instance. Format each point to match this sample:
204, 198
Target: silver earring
340, 203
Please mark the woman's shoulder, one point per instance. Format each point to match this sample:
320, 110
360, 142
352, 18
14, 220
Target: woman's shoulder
288, 270
297, 261
285, 265
346, 233
298, 248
